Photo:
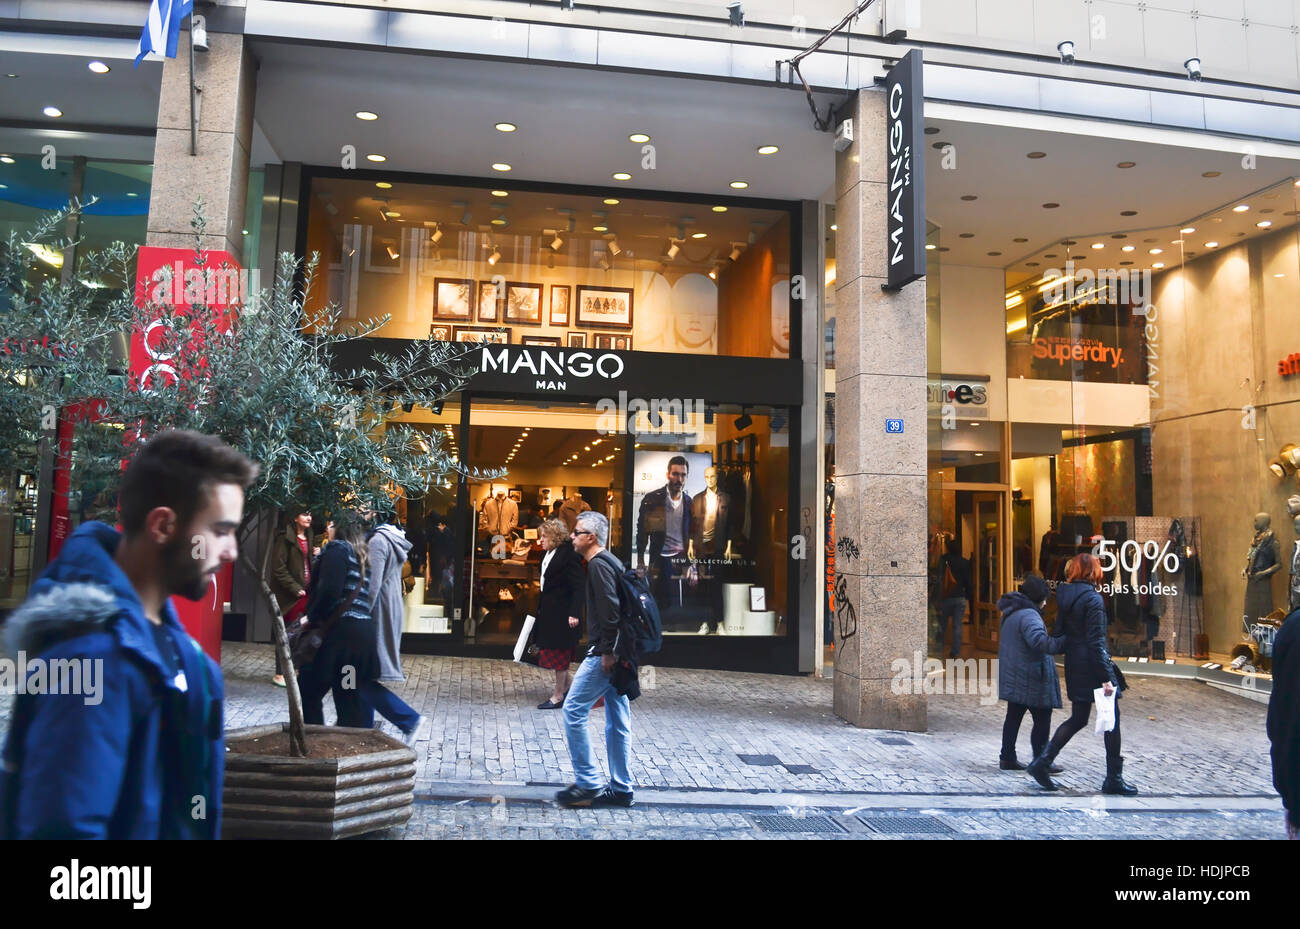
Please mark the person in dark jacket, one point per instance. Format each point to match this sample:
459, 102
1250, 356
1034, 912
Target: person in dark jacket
1082, 616
663, 532
1026, 672
134, 748
953, 600
291, 557
594, 679
1284, 720
564, 586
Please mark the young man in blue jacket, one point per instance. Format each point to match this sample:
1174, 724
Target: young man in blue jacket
139, 755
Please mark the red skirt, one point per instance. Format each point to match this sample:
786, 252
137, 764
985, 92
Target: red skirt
556, 659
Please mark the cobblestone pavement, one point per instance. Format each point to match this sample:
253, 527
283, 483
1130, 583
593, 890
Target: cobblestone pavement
714, 749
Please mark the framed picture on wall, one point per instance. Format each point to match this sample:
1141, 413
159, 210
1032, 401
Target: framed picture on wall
614, 341
524, 304
440, 332
561, 294
491, 298
481, 334
551, 340
453, 299
604, 307
577, 340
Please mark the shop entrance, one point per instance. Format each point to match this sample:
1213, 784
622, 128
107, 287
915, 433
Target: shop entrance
988, 568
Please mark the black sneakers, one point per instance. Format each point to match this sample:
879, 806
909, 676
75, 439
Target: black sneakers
611, 797
575, 796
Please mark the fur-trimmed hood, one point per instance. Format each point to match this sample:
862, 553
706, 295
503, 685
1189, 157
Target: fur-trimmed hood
61, 611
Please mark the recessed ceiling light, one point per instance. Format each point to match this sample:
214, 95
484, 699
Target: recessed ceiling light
52, 111
835, 227
1128, 212
940, 145
1263, 225
1211, 244
1126, 164
1098, 245
98, 67
699, 235
638, 137
969, 197
4, 186
376, 158
1279, 274
1187, 230
500, 166
366, 115
1210, 173
1019, 239
1240, 208
383, 185
1037, 155
600, 229
931, 130
979, 454
1050, 206
768, 149
719, 209
621, 176
392, 214
930, 248
6, 159
739, 185
506, 127
1127, 248
500, 193
994, 254
1154, 251
610, 202
1158, 265
499, 221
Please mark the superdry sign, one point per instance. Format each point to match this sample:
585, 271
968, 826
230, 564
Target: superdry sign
905, 168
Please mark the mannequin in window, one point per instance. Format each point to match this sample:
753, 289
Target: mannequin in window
663, 529
1262, 561
710, 516
1294, 601
500, 515
570, 507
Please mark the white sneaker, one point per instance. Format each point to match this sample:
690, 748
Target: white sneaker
410, 737
704, 629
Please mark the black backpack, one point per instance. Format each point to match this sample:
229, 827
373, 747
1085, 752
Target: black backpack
638, 612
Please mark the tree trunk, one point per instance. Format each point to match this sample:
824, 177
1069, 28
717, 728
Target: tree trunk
297, 731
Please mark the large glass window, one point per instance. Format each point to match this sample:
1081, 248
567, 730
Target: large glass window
540, 268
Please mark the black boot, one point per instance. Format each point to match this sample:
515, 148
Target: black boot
1114, 783
1040, 768
1010, 764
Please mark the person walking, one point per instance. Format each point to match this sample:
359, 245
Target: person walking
388, 547
558, 607
134, 757
1027, 678
291, 558
956, 587
1283, 723
347, 663
594, 679
1082, 616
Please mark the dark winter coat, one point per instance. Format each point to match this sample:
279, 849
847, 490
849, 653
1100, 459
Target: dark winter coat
353, 639
131, 765
651, 523
288, 568
1284, 716
1081, 616
1026, 671
562, 596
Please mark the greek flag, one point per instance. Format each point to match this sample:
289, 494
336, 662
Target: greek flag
162, 31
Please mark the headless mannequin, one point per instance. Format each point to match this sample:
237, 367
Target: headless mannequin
1262, 562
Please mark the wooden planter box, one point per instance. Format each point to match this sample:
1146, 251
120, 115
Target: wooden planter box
275, 797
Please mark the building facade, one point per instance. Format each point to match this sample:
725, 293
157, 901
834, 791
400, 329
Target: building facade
645, 215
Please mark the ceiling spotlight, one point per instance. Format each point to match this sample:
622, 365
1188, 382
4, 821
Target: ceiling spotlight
376, 158
699, 235
556, 243
713, 273
436, 236
495, 256
1098, 245
393, 253
612, 245
743, 421
1211, 244
367, 115
1240, 208
723, 209
735, 252
739, 185
930, 247
1128, 248
52, 111
638, 137
500, 166
1066, 49
500, 221
1154, 251
600, 229
610, 202
768, 149
500, 193
736, 13
622, 176
383, 185
604, 263
1187, 230
98, 67
506, 127
1158, 265
1264, 225
1193, 66
673, 249
392, 214
550, 261
6, 159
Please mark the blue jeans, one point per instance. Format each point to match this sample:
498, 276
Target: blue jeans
589, 685
956, 608
375, 696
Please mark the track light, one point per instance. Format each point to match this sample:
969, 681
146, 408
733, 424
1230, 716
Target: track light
393, 253
550, 260
495, 256
735, 251
556, 243
436, 236
1066, 49
743, 421
612, 245
1193, 66
604, 263
736, 13
673, 249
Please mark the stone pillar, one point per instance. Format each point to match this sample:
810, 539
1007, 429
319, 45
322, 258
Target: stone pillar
219, 172
880, 478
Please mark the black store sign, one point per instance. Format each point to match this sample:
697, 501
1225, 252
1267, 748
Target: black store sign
542, 372
905, 167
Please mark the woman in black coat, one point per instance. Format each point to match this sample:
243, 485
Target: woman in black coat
564, 586
1026, 672
1082, 617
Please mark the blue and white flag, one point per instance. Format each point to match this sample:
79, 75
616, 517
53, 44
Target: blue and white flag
162, 31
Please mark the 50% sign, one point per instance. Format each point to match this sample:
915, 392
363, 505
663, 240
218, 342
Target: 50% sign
1130, 554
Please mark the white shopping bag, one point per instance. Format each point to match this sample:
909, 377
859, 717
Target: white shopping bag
1105, 710
523, 636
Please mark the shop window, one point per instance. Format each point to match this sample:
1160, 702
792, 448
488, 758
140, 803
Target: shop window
533, 268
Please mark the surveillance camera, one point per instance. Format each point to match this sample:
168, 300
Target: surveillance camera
1066, 49
199, 33
1193, 66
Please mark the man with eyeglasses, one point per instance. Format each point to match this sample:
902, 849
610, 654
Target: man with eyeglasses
595, 679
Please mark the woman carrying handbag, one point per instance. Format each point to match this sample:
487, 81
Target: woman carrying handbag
1082, 617
563, 583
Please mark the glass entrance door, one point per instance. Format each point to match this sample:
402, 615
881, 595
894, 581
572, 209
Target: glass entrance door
989, 567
